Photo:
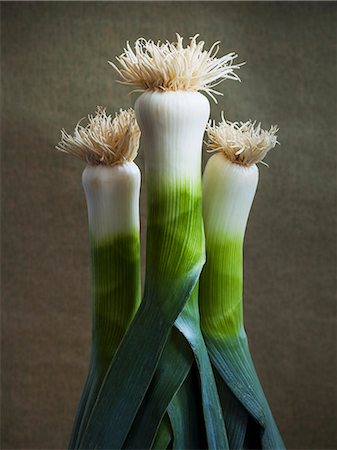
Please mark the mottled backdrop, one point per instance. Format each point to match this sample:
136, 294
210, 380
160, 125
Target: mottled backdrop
54, 71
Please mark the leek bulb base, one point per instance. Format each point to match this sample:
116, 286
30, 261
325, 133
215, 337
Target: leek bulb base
232, 185
112, 194
172, 125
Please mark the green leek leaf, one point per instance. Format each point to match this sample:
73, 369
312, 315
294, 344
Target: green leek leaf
232, 359
171, 372
186, 415
188, 323
235, 415
164, 385
164, 435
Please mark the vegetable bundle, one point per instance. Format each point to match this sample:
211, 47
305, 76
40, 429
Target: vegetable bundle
172, 370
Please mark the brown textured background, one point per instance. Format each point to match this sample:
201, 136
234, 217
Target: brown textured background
54, 71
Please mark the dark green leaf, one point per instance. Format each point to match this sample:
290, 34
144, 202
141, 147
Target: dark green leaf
164, 435
188, 323
232, 359
186, 416
174, 366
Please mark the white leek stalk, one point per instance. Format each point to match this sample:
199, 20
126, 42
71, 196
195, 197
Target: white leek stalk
111, 182
229, 186
172, 116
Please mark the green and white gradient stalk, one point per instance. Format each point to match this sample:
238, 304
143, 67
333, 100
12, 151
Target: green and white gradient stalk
111, 181
172, 170
172, 125
228, 192
112, 195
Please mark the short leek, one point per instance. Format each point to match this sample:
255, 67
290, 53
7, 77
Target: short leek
111, 183
229, 186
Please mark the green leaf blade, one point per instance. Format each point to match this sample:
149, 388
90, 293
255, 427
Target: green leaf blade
233, 362
189, 324
172, 370
184, 412
164, 436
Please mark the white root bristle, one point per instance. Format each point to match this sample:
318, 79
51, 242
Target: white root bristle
171, 67
242, 143
105, 140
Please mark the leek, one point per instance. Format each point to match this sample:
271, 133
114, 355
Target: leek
172, 116
111, 183
229, 186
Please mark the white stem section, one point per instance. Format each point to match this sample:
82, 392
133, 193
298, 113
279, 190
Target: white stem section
228, 193
172, 125
112, 194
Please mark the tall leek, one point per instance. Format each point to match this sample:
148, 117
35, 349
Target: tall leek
229, 186
111, 182
172, 116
